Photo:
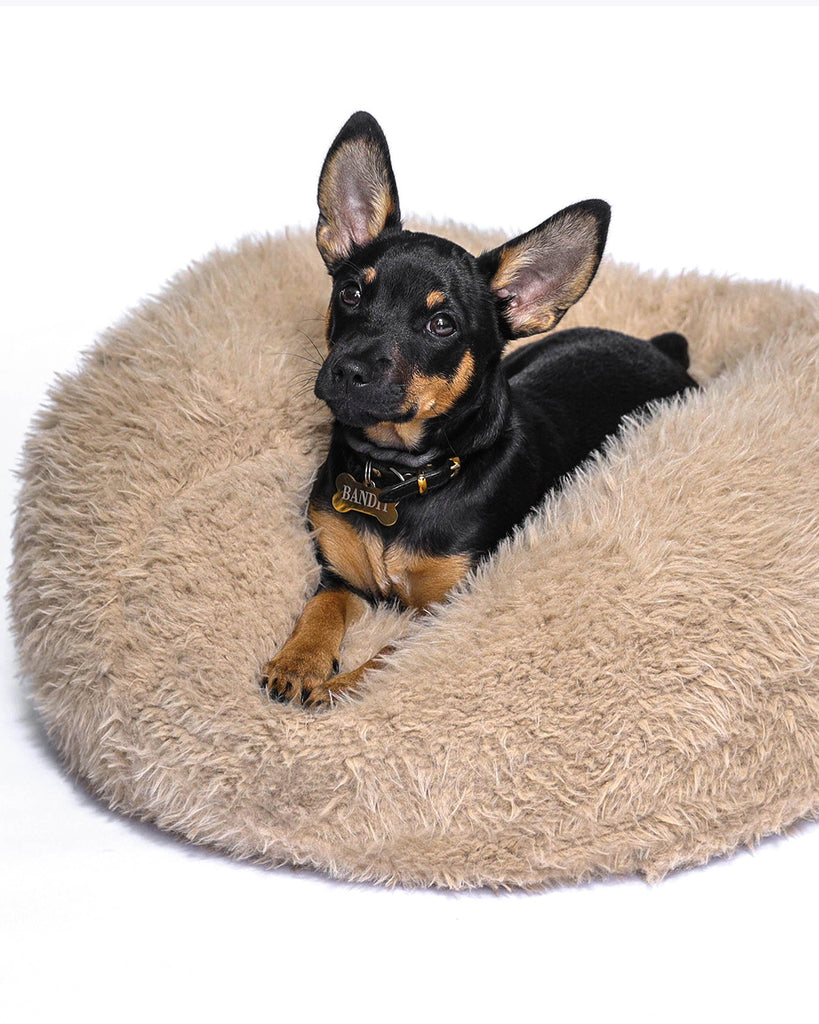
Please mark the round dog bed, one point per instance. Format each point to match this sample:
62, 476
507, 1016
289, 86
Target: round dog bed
629, 685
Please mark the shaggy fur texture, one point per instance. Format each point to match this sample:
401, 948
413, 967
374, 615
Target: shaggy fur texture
630, 685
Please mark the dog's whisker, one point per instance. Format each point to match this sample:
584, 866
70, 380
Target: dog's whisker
307, 382
301, 355
305, 358
304, 334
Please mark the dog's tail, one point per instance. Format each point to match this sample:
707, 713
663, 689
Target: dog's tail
674, 346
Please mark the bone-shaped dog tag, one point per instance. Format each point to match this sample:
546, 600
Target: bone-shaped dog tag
353, 496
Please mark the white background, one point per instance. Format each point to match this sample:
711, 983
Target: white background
135, 139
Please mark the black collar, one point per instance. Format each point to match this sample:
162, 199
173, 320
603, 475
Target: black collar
428, 478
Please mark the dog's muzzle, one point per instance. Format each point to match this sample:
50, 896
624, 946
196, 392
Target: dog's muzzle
361, 392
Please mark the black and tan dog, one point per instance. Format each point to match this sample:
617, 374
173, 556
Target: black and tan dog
440, 447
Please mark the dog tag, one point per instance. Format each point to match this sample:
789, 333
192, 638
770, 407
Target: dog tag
353, 496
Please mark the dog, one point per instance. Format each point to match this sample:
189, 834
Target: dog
440, 445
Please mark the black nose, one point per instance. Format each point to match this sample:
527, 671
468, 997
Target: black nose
352, 372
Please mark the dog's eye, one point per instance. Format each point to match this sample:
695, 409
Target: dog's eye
350, 295
441, 325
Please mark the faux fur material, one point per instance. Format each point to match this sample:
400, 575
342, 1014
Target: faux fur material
630, 685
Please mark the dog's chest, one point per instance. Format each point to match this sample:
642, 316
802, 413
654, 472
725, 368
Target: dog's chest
384, 569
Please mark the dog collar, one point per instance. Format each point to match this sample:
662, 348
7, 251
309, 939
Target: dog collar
381, 502
409, 484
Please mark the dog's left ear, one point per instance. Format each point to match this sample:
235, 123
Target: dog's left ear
357, 196
537, 276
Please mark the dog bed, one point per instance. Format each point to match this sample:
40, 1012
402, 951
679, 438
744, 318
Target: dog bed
629, 685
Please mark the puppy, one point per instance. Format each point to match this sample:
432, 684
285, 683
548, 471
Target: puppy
440, 446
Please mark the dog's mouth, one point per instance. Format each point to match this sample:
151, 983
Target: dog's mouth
354, 413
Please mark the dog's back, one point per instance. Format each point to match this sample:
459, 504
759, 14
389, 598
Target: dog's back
580, 383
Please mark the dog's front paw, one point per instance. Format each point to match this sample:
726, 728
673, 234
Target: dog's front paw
296, 674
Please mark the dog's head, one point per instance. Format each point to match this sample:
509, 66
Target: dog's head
415, 321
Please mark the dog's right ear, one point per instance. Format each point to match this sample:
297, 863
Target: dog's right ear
357, 197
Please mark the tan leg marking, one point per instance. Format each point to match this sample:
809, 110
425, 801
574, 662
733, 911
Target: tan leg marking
309, 657
420, 580
303, 670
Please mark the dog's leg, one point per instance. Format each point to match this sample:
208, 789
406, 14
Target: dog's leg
309, 658
420, 580
304, 669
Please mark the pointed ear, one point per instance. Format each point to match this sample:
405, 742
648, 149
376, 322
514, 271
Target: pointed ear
357, 196
537, 276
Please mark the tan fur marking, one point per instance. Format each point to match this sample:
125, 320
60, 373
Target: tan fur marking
369, 275
430, 396
357, 557
383, 209
433, 396
419, 580
302, 671
510, 264
434, 299
366, 563
322, 624
327, 320
397, 435
329, 246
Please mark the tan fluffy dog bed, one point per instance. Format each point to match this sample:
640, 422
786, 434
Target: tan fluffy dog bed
628, 686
